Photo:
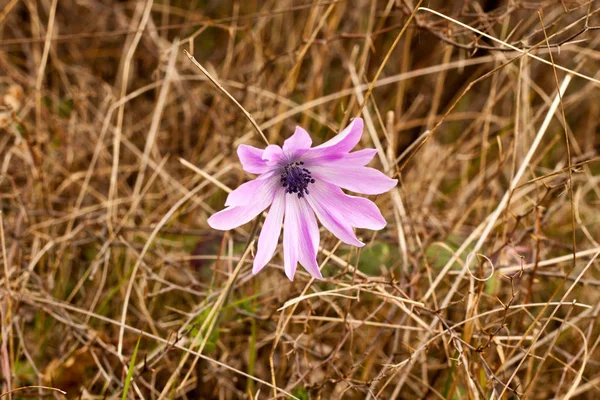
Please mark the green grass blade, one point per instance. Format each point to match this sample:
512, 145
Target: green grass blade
130, 370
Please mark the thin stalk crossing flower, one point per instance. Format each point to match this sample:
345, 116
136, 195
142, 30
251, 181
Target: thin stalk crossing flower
299, 182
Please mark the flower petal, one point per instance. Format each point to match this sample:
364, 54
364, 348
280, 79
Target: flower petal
290, 249
235, 216
363, 213
356, 179
273, 155
331, 159
329, 213
300, 237
244, 193
356, 211
309, 242
269, 235
347, 138
297, 144
251, 159
360, 157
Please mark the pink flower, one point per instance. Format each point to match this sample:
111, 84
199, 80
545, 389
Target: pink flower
298, 181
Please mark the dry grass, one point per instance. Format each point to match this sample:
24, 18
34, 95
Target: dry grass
115, 148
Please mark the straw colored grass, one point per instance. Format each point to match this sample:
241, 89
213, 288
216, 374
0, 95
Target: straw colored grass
119, 123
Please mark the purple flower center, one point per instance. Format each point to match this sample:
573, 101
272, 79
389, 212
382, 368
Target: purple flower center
295, 178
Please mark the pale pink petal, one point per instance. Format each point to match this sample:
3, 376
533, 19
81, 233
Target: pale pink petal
251, 159
297, 144
235, 216
362, 213
274, 155
329, 214
309, 242
360, 157
246, 191
290, 242
300, 237
356, 211
269, 235
363, 180
332, 159
347, 138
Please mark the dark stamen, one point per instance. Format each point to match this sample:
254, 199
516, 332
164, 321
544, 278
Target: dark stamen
296, 179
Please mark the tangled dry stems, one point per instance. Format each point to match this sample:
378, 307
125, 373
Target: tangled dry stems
115, 148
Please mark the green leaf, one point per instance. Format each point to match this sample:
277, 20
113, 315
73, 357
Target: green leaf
211, 343
300, 393
130, 370
65, 107
374, 256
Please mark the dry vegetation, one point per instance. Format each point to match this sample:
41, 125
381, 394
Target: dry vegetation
115, 148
